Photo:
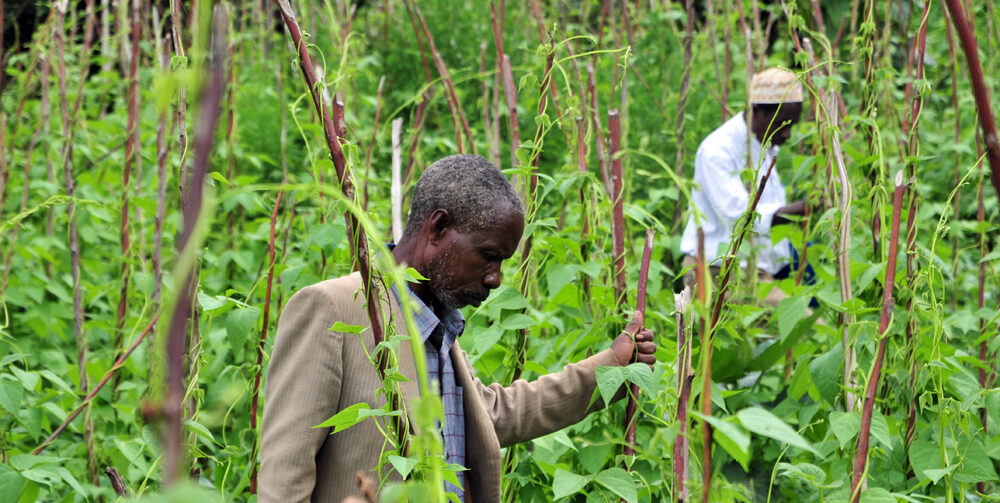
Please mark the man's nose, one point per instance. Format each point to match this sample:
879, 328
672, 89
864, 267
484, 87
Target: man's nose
493, 277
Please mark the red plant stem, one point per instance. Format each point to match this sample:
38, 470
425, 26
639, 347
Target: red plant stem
340, 164
536, 10
181, 114
979, 91
599, 139
737, 243
74, 242
417, 131
682, 101
116, 481
263, 336
911, 126
371, 143
161, 186
984, 375
491, 141
888, 301
581, 160
209, 113
510, 98
107, 377
423, 51
507, 79
958, 138
640, 305
532, 184
618, 211
453, 102
131, 156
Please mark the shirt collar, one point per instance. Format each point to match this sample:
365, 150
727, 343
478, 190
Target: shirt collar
451, 319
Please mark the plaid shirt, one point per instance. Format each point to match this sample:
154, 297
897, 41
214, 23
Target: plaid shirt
441, 373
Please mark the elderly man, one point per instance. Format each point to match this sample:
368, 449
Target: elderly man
722, 196
465, 220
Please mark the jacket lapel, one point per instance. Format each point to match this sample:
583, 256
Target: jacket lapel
481, 445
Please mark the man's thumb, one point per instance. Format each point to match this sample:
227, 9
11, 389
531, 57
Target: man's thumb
635, 324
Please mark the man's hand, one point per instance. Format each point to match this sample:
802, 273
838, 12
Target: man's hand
635, 343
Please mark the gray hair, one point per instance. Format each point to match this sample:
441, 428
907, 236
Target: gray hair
470, 187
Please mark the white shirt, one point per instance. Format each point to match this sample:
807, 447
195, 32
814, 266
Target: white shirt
722, 198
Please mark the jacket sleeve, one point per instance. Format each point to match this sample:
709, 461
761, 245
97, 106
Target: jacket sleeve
526, 410
302, 390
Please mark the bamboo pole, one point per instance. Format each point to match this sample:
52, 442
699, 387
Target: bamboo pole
453, 102
707, 338
640, 305
979, 91
618, 213
860, 465
209, 111
131, 156
913, 150
371, 143
74, 241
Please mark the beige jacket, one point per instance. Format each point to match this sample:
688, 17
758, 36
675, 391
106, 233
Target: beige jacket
315, 372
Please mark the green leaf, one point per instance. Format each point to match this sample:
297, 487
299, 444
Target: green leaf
402, 465
609, 381
762, 422
789, 312
199, 430
641, 374
976, 465
11, 483
345, 418
993, 406
346, 329
565, 483
239, 325
877, 495
11, 393
936, 474
517, 321
845, 426
619, 482
826, 371
57, 381
559, 275
880, 430
925, 458
731, 436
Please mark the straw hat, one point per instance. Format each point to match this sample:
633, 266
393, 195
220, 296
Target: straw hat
773, 86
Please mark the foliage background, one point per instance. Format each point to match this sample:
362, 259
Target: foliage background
787, 434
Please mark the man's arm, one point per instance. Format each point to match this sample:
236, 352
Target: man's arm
797, 208
303, 390
526, 410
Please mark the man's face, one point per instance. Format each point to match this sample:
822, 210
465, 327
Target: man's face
465, 266
786, 117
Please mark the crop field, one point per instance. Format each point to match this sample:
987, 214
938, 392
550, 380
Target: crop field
172, 172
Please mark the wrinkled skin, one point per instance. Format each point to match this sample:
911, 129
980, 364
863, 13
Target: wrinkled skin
462, 267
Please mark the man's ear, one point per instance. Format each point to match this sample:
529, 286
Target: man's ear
438, 224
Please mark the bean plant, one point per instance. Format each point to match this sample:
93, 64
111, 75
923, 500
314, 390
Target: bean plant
172, 172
